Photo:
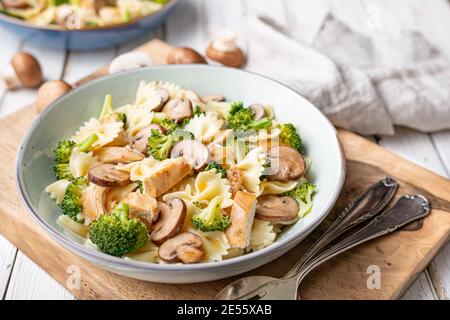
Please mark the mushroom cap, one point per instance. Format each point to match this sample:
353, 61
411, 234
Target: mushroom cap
276, 209
233, 59
178, 109
130, 60
118, 155
171, 218
185, 55
27, 69
49, 92
185, 247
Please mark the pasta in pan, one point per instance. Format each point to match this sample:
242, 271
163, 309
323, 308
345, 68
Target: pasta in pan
174, 178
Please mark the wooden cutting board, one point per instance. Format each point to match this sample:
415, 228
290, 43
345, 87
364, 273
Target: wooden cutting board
400, 256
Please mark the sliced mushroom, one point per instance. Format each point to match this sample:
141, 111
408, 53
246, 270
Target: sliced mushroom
142, 207
186, 247
213, 97
164, 95
184, 55
129, 61
140, 141
119, 141
178, 109
93, 201
276, 209
49, 92
258, 111
288, 164
118, 155
16, 4
25, 71
195, 153
171, 218
106, 175
223, 49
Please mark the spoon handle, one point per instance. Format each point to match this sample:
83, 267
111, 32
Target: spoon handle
364, 207
406, 210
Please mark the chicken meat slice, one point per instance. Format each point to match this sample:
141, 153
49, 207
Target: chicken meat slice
93, 201
241, 217
142, 207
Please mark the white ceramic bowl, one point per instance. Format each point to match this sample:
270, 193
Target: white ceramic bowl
64, 116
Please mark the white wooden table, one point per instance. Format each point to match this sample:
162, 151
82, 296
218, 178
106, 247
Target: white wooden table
192, 24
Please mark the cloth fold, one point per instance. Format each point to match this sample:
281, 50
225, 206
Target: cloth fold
363, 84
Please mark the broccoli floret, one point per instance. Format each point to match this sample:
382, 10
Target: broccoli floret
197, 112
169, 125
290, 136
71, 203
107, 109
211, 218
63, 151
140, 186
219, 169
117, 234
180, 134
159, 145
241, 118
303, 193
62, 171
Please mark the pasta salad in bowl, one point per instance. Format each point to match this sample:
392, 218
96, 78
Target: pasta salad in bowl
170, 177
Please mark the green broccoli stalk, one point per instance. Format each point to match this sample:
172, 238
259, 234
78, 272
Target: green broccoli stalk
117, 234
290, 136
219, 169
63, 152
303, 193
211, 218
107, 109
241, 118
86, 144
71, 204
159, 145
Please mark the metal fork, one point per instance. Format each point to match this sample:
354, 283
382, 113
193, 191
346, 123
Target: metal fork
406, 210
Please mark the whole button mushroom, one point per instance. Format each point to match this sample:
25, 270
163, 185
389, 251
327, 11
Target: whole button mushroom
25, 72
185, 247
223, 49
49, 92
184, 55
129, 61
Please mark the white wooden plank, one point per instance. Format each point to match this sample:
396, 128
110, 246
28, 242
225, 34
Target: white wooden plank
82, 63
185, 25
421, 289
7, 258
30, 282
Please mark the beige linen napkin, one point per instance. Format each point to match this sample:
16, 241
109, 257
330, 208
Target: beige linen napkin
363, 84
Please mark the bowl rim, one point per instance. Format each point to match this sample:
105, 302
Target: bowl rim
123, 25
120, 263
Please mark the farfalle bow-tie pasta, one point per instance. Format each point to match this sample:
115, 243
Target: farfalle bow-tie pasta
173, 177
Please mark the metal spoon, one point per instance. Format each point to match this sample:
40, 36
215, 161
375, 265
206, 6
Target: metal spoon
406, 210
365, 206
